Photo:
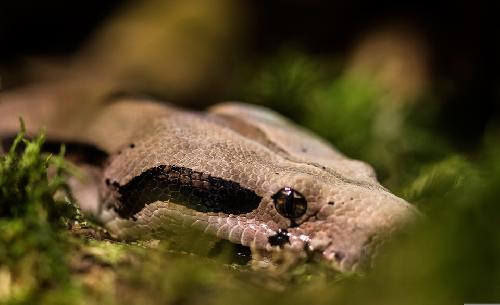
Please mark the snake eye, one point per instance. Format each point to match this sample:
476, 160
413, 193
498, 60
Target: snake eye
290, 203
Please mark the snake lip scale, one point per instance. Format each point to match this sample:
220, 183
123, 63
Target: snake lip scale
239, 172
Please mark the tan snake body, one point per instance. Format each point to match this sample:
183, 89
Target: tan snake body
239, 172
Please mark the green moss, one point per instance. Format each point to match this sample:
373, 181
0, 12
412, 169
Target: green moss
32, 247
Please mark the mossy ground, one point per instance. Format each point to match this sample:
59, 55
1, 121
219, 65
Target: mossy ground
50, 255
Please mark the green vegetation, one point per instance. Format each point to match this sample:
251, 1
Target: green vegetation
33, 244
451, 258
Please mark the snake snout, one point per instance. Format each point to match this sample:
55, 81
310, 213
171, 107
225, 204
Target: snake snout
348, 235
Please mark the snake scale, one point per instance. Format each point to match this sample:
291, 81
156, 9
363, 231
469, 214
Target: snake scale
239, 172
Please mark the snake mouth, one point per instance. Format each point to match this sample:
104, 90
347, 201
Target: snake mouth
344, 246
341, 244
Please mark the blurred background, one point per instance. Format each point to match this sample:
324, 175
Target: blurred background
410, 87
448, 50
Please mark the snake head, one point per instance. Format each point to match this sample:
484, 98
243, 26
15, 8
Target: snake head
344, 224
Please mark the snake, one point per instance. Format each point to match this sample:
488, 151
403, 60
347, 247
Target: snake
237, 172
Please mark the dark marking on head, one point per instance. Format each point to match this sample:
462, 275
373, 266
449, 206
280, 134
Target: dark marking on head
131, 145
279, 239
180, 185
331, 202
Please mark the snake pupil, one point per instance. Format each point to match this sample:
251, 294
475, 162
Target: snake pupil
290, 203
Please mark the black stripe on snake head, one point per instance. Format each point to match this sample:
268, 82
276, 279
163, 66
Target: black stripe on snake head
180, 185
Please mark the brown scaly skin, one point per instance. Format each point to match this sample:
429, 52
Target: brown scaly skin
348, 212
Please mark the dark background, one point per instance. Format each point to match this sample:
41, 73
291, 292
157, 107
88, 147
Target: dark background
463, 39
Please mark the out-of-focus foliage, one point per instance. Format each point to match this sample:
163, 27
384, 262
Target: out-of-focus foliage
353, 112
449, 258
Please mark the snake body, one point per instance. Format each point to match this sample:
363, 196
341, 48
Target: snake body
239, 172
